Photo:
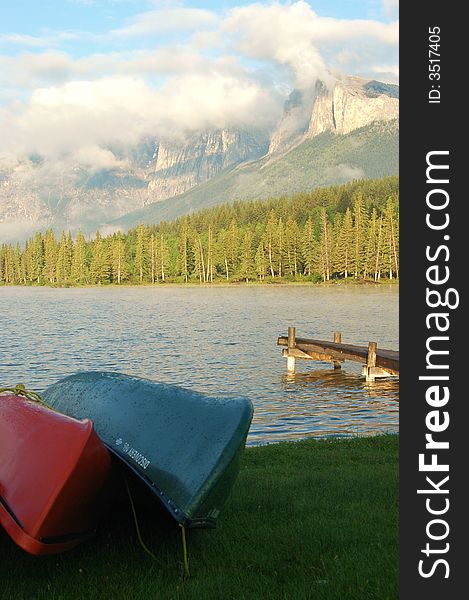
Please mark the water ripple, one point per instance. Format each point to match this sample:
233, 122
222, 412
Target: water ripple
218, 340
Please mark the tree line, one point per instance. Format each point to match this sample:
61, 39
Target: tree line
341, 232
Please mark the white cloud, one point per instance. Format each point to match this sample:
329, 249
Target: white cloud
24, 40
348, 172
79, 118
390, 7
164, 21
294, 35
31, 41
386, 73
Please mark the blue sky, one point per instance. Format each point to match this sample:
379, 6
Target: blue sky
30, 16
77, 76
81, 18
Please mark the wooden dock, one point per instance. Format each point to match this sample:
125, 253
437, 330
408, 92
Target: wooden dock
376, 362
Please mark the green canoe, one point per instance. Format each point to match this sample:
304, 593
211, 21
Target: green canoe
184, 445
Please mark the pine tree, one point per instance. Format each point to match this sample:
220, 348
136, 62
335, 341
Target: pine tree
50, 256
270, 241
261, 261
379, 250
4, 264
118, 259
184, 250
210, 254
233, 247
141, 252
371, 244
63, 264
246, 267
386, 257
344, 246
153, 250
280, 247
308, 247
391, 238
18, 277
100, 267
198, 254
292, 246
163, 255
79, 269
325, 247
37, 263
221, 253
360, 227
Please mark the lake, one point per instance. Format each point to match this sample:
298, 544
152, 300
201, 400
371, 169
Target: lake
220, 340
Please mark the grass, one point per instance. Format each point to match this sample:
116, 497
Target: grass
313, 519
315, 281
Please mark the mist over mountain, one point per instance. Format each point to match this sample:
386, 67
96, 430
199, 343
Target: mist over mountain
332, 132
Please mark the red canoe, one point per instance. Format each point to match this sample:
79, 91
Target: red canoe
54, 471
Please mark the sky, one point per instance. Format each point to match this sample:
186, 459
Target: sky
79, 76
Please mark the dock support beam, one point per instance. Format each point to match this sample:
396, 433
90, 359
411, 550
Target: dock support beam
371, 362
291, 346
338, 340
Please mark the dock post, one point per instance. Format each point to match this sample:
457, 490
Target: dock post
291, 346
371, 362
337, 340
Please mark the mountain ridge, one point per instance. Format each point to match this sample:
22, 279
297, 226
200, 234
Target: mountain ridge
313, 159
191, 172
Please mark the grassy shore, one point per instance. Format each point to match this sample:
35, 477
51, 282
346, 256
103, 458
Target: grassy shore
269, 282
312, 519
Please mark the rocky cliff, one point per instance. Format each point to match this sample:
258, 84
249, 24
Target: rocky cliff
340, 106
348, 106
181, 165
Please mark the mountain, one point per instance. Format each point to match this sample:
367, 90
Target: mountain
336, 131
370, 152
180, 166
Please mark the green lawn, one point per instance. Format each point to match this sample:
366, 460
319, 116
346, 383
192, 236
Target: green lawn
312, 519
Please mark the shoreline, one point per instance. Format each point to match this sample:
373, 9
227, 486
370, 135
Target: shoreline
221, 284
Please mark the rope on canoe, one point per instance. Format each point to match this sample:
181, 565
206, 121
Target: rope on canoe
184, 550
139, 535
137, 528
20, 390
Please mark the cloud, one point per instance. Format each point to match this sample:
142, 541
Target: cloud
295, 36
76, 119
388, 73
390, 7
24, 40
32, 41
164, 21
348, 172
30, 71
107, 230
14, 230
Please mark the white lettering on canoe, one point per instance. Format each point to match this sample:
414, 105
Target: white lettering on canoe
135, 455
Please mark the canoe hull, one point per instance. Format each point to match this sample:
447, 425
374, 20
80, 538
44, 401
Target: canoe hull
184, 445
54, 473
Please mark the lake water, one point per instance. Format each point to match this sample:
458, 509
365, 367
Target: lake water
219, 340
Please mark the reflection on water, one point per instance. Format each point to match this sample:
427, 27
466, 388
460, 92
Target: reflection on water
218, 340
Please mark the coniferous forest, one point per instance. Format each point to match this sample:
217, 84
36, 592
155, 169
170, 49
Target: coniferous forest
349, 231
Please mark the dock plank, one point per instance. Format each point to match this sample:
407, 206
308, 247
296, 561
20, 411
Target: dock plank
386, 359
